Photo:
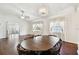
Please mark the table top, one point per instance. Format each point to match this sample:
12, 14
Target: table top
38, 43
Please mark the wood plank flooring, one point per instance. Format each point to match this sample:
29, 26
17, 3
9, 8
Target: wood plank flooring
9, 46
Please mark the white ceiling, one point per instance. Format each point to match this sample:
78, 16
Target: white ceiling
31, 9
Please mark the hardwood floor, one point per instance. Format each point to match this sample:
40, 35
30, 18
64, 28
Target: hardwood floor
68, 48
9, 47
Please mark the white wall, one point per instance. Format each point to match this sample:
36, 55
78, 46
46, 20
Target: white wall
72, 27
46, 24
24, 25
2, 29
46, 27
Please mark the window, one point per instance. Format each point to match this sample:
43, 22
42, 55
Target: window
37, 28
13, 28
57, 27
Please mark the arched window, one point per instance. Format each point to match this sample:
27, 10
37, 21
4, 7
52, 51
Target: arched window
57, 27
37, 28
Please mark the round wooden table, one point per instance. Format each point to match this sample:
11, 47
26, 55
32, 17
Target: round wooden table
38, 44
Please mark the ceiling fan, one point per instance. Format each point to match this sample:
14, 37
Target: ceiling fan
42, 11
23, 16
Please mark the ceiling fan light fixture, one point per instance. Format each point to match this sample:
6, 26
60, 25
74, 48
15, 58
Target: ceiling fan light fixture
43, 11
22, 14
22, 17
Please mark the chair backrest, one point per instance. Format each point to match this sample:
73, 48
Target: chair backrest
54, 39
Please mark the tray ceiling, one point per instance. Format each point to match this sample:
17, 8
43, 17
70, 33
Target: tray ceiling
31, 9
